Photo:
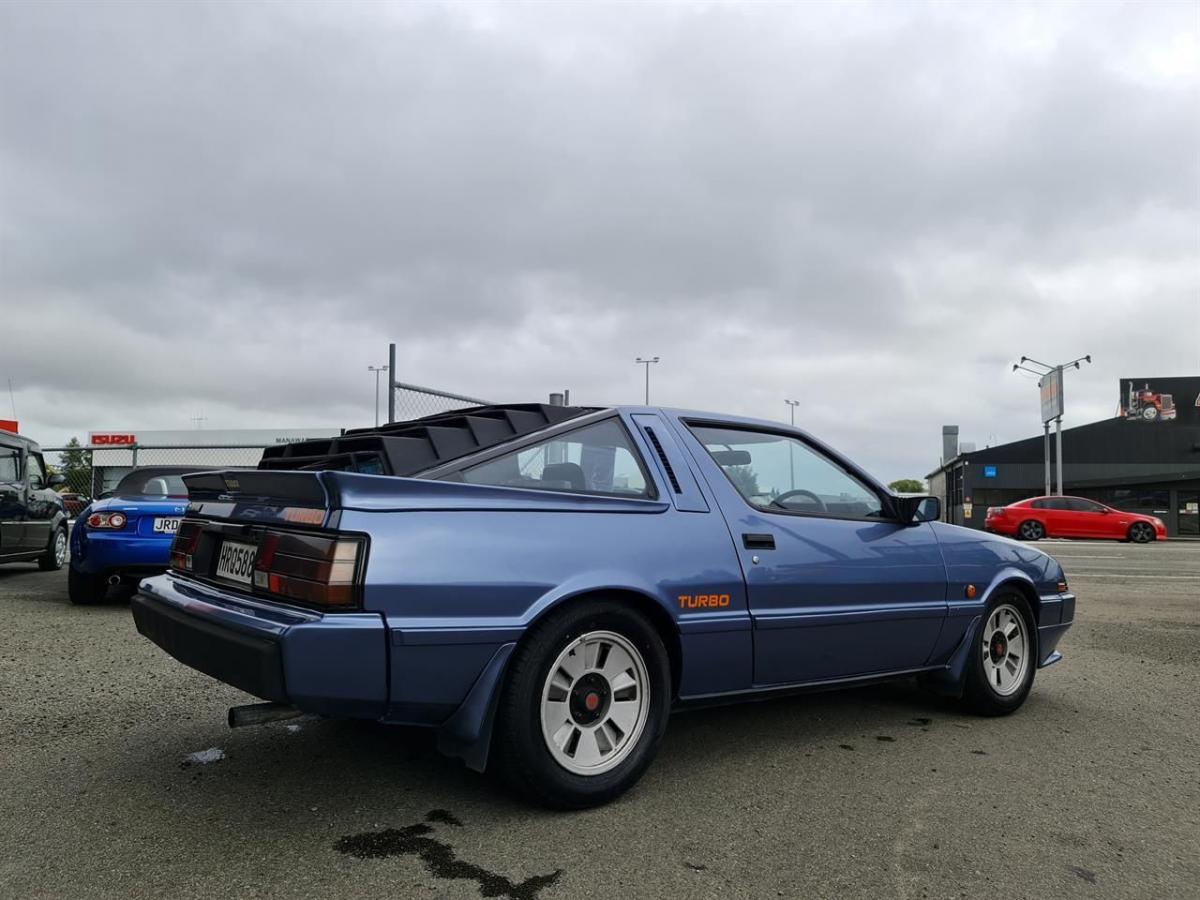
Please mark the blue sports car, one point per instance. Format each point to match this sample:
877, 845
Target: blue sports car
126, 534
543, 584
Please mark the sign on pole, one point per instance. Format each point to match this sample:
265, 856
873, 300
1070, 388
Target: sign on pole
1052, 394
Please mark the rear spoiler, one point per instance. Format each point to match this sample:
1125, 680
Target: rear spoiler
257, 486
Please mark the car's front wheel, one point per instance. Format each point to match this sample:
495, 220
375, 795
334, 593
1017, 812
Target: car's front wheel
1141, 533
1004, 658
584, 706
56, 552
1031, 530
84, 589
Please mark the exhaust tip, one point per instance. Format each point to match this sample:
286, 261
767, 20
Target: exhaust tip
260, 713
114, 580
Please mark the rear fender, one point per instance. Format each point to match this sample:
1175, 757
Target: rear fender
467, 734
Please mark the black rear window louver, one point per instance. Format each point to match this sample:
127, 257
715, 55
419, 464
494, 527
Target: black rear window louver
663, 456
406, 448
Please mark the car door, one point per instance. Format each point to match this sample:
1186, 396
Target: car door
1088, 518
41, 505
1057, 517
836, 589
12, 501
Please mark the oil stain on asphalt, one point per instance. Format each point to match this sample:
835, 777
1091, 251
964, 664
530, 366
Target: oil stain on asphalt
439, 857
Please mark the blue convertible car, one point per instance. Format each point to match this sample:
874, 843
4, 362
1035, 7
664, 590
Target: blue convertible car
544, 584
126, 534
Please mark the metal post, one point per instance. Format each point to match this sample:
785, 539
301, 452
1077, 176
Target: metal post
792, 404
391, 383
378, 370
1046, 448
646, 363
1058, 451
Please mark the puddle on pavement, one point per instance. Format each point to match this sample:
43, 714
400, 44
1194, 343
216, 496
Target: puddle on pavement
439, 857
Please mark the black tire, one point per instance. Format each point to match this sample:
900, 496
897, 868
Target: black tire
981, 696
1141, 533
52, 560
85, 589
1031, 530
520, 751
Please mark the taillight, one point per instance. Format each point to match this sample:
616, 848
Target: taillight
313, 569
184, 546
106, 520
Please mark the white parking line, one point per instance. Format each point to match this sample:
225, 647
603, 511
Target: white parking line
1073, 575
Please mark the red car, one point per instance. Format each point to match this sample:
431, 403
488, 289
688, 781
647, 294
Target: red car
1071, 517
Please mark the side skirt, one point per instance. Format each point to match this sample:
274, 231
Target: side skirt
770, 692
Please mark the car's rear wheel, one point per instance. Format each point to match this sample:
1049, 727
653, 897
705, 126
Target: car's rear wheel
56, 552
1141, 533
1004, 658
584, 706
1031, 530
85, 589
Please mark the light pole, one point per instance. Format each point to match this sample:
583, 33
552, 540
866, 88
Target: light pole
1050, 381
792, 404
378, 370
647, 363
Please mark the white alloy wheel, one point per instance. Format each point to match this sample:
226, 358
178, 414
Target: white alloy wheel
595, 702
60, 547
1005, 648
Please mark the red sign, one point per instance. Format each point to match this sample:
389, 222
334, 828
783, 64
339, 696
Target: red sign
112, 440
8, 425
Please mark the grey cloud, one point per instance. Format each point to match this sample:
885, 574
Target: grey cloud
881, 202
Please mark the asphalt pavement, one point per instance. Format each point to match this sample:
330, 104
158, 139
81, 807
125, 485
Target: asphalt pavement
119, 778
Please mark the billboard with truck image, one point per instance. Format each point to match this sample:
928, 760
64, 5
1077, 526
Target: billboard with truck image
1160, 399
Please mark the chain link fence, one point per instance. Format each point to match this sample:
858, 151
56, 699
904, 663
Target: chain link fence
414, 402
91, 471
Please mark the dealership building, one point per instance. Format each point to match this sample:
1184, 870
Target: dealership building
1146, 459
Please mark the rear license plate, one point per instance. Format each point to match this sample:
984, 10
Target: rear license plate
166, 526
236, 562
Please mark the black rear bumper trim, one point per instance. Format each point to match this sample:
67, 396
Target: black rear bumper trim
252, 664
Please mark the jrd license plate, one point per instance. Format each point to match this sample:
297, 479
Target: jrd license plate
166, 526
236, 561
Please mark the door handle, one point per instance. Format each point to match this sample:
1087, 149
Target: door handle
758, 541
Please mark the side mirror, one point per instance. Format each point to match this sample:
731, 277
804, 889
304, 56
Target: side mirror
915, 510
55, 480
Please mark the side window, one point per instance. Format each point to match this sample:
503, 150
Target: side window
779, 473
595, 459
34, 472
10, 465
1040, 504
1080, 505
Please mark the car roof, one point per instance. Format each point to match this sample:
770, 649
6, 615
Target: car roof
12, 439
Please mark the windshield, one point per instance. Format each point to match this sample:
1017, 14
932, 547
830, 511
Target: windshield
152, 483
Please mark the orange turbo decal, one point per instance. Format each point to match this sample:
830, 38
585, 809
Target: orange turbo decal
703, 601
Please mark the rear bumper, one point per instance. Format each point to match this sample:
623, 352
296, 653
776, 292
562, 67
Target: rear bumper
97, 552
333, 664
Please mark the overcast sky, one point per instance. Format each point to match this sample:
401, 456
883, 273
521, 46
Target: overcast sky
230, 209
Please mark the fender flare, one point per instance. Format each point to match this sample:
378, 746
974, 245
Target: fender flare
467, 734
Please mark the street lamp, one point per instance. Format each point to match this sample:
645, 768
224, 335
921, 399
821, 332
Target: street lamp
647, 363
792, 404
1044, 371
378, 370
